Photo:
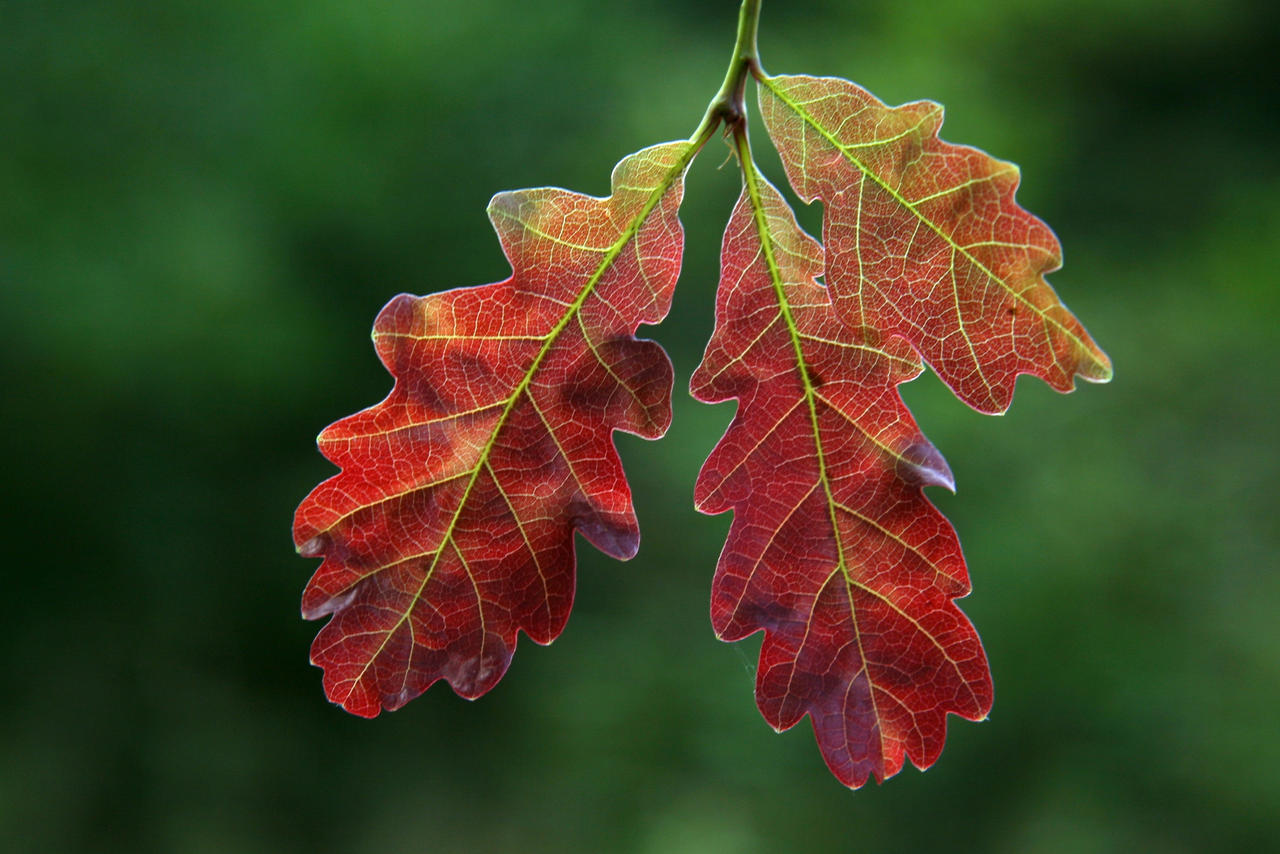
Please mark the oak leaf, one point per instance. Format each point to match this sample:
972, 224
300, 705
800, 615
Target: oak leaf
833, 551
450, 527
925, 240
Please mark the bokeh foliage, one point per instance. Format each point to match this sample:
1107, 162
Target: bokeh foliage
202, 207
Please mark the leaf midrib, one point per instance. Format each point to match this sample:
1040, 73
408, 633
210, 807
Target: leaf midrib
811, 396
775, 275
628, 234
799, 110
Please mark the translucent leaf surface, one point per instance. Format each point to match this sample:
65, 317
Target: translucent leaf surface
450, 527
834, 550
924, 240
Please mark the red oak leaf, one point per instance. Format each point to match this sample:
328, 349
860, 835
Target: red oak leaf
924, 240
834, 551
450, 526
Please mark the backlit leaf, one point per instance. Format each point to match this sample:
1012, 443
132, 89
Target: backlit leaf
834, 551
924, 240
450, 527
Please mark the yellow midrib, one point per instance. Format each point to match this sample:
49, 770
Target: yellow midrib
811, 397
808, 119
775, 275
633, 227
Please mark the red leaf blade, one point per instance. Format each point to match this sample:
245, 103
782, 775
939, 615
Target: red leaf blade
834, 551
925, 240
450, 527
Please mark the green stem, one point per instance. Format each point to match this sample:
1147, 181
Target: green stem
728, 105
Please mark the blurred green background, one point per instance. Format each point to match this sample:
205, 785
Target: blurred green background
203, 206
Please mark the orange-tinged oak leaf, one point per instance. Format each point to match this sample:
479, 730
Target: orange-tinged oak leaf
450, 526
924, 240
834, 551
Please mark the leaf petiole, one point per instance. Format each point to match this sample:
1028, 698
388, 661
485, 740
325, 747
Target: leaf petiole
728, 105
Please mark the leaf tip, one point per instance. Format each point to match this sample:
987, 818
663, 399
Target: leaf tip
1097, 368
924, 465
365, 710
313, 547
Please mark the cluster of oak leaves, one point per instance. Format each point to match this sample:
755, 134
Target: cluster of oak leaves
450, 526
